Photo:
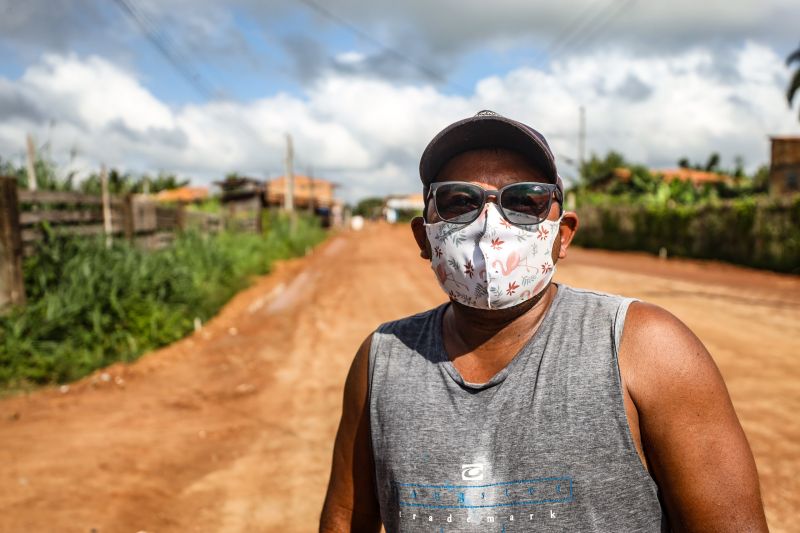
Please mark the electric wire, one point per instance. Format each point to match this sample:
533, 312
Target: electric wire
572, 28
361, 34
600, 26
167, 48
582, 29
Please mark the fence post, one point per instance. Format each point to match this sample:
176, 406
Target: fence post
106, 198
180, 217
259, 210
128, 217
12, 287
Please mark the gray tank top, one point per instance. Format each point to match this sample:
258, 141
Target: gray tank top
544, 445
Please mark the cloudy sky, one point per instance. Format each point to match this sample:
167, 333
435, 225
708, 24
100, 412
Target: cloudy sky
202, 87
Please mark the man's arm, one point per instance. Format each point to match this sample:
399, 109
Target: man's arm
351, 504
695, 447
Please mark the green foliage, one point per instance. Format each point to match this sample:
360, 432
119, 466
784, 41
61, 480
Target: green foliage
47, 179
642, 186
46, 175
211, 205
369, 207
760, 232
405, 215
89, 306
596, 168
119, 183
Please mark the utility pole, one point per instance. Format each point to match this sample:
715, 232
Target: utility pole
288, 197
32, 185
581, 138
311, 189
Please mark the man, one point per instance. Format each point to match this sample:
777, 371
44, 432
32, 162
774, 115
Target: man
523, 404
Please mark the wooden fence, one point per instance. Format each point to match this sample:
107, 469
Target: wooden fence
135, 218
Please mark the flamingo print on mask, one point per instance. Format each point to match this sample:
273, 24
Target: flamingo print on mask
491, 264
512, 262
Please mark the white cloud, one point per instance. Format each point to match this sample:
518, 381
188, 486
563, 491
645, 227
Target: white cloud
367, 134
95, 91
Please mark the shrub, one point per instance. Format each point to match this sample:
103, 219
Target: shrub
89, 306
757, 232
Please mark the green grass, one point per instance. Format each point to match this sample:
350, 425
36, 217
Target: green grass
90, 306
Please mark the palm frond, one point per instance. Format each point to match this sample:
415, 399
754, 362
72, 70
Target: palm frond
794, 87
794, 56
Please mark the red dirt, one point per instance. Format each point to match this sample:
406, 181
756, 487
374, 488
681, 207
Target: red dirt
231, 429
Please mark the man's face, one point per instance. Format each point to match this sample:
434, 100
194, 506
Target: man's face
494, 168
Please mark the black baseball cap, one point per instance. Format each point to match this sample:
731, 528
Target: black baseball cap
488, 129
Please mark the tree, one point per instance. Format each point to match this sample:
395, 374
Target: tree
600, 168
369, 207
794, 84
159, 183
47, 178
712, 165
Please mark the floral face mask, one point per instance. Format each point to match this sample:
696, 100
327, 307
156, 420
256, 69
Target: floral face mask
491, 263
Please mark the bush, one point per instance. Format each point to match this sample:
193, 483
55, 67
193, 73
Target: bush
757, 232
89, 306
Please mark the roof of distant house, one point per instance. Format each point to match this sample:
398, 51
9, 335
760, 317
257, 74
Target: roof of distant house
300, 178
693, 175
237, 182
182, 194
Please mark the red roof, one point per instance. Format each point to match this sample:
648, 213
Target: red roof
182, 194
690, 174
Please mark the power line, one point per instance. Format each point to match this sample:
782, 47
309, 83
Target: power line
361, 34
602, 23
570, 31
166, 47
584, 28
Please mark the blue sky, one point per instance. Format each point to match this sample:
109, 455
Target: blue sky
363, 86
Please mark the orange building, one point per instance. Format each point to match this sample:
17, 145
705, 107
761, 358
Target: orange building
307, 191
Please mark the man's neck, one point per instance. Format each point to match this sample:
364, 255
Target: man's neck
467, 329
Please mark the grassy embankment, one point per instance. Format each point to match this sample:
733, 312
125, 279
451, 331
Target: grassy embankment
90, 306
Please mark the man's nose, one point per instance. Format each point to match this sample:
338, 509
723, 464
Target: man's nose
494, 198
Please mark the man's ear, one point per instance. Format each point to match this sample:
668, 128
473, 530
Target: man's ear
566, 231
418, 229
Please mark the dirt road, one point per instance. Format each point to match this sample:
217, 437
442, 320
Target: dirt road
231, 429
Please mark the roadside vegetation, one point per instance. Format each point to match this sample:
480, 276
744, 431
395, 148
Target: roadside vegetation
89, 305
625, 206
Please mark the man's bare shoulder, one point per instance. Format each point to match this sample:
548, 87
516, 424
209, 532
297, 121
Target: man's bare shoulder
695, 446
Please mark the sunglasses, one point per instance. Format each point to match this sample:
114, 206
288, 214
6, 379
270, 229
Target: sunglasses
523, 203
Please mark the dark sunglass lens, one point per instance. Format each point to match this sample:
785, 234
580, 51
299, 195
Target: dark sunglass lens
458, 202
526, 203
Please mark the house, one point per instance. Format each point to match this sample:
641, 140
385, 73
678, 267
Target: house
308, 192
239, 188
403, 206
242, 201
784, 169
